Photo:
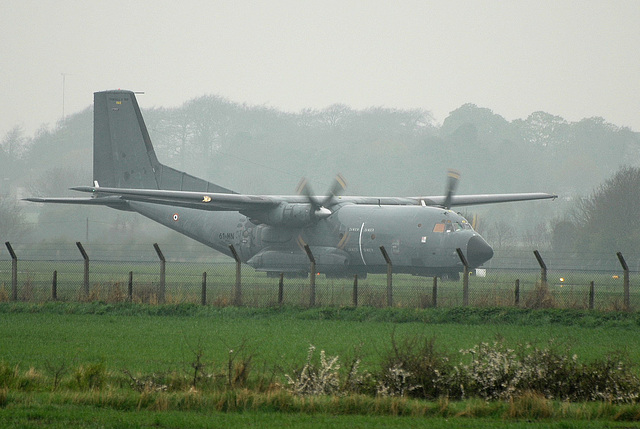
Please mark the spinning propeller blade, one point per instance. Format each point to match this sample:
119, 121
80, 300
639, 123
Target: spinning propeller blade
321, 208
452, 184
339, 185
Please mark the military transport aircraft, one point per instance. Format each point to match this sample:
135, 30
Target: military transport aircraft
269, 232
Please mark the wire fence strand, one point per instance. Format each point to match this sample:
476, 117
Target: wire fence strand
61, 276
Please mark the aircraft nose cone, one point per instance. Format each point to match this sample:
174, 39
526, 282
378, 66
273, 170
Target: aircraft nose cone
478, 251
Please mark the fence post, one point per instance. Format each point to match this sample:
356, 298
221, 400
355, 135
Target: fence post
389, 276
355, 290
86, 269
14, 272
312, 278
434, 292
281, 289
465, 278
625, 267
163, 272
203, 301
130, 286
54, 286
543, 267
592, 290
237, 289
516, 293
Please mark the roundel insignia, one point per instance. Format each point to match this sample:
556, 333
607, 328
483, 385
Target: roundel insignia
176, 217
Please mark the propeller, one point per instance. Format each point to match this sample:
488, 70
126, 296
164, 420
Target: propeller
339, 185
452, 184
320, 208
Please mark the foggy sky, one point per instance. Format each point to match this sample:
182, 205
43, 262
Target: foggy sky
574, 59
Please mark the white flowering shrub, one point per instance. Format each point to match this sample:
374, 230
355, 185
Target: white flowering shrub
316, 378
497, 372
415, 367
611, 379
323, 377
396, 382
550, 372
493, 373
357, 381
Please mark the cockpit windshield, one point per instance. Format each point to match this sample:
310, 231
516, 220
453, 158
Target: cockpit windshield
451, 226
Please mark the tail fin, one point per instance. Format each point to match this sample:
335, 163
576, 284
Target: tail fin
123, 156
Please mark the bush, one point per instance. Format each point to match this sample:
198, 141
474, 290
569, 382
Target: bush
91, 376
314, 378
416, 368
611, 379
496, 372
493, 373
323, 377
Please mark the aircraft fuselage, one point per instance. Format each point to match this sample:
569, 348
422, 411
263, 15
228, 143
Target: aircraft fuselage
419, 240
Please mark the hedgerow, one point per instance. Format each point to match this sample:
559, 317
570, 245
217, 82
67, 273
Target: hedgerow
497, 372
413, 368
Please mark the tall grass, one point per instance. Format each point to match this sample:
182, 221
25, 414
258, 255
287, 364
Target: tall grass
530, 407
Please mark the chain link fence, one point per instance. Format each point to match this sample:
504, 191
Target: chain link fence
47, 273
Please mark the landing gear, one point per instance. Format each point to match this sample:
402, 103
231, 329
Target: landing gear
454, 277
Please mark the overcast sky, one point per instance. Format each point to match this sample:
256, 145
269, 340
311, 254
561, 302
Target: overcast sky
574, 59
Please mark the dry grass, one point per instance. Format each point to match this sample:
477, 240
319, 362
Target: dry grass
540, 297
494, 299
26, 291
530, 405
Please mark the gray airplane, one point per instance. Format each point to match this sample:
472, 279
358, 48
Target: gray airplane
270, 232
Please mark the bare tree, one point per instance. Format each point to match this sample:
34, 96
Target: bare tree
14, 143
13, 225
608, 219
57, 181
501, 234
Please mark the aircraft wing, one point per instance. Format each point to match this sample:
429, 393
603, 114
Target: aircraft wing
468, 200
250, 203
199, 200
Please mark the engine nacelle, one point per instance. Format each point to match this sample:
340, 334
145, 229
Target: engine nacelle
289, 215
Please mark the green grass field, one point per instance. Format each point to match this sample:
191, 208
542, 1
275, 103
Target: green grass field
148, 338
37, 339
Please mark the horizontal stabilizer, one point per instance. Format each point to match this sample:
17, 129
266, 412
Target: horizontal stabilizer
105, 201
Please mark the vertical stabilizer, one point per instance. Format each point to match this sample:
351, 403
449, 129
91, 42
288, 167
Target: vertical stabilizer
123, 156
122, 153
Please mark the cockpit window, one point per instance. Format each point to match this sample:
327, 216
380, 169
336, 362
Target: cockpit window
449, 226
